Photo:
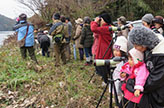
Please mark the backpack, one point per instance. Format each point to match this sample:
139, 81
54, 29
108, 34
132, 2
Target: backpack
58, 38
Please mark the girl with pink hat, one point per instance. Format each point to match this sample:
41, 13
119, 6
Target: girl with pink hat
133, 74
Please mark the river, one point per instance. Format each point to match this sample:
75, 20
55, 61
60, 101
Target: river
3, 36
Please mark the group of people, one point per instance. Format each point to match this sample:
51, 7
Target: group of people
141, 73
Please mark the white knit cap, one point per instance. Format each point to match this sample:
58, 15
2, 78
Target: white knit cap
136, 55
121, 43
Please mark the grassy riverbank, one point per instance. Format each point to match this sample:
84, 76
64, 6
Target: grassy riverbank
24, 85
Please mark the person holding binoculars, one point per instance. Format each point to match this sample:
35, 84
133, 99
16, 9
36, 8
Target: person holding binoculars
100, 26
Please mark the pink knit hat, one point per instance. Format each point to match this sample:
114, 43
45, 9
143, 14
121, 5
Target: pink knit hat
136, 55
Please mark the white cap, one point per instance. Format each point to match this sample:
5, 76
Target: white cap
136, 55
121, 43
79, 21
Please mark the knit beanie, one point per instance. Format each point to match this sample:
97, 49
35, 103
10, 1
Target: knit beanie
141, 35
121, 44
106, 17
148, 18
56, 16
136, 55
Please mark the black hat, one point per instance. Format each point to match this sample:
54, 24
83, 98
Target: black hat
158, 19
106, 17
56, 16
62, 18
22, 17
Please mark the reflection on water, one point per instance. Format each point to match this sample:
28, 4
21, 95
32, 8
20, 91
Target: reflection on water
3, 35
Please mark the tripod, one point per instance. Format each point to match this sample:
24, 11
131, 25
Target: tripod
111, 81
110, 45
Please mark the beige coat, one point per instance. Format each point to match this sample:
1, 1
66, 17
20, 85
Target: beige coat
78, 36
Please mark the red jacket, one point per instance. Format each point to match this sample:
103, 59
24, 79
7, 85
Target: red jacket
105, 38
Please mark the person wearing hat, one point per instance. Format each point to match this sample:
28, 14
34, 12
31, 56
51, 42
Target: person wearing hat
159, 25
147, 42
133, 72
87, 40
22, 28
77, 37
58, 29
119, 50
101, 26
147, 20
122, 22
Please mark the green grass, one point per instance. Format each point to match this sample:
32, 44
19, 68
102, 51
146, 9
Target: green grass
76, 92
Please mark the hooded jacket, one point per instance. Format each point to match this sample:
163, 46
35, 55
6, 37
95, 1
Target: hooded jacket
137, 72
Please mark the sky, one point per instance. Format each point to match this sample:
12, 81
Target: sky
12, 9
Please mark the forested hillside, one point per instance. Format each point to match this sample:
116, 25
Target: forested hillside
131, 9
6, 24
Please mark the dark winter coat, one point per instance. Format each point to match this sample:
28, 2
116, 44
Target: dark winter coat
154, 87
87, 36
44, 41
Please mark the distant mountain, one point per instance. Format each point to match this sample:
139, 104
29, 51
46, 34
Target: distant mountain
6, 23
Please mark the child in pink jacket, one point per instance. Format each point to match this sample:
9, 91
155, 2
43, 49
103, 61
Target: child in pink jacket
134, 75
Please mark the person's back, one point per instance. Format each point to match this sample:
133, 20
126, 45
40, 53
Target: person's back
25, 29
68, 22
44, 41
77, 38
58, 31
87, 36
30, 36
87, 40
